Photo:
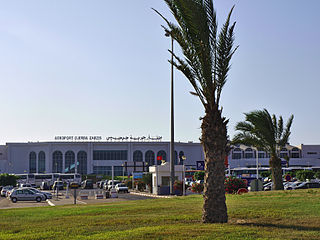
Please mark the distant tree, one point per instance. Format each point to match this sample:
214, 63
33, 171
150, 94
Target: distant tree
8, 179
317, 175
303, 175
263, 131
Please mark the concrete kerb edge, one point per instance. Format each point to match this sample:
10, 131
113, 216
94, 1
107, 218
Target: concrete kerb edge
151, 195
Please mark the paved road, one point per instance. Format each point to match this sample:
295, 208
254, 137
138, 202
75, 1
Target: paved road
62, 200
6, 203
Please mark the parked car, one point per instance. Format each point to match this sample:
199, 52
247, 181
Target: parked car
306, 185
57, 184
121, 187
25, 185
268, 186
47, 195
45, 186
105, 185
10, 191
24, 194
4, 190
87, 184
115, 182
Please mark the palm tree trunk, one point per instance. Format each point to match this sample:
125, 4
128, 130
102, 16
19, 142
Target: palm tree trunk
276, 170
214, 142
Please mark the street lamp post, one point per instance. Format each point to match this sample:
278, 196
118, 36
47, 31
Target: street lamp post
172, 157
257, 162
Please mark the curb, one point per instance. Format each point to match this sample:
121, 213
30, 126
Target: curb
151, 195
50, 203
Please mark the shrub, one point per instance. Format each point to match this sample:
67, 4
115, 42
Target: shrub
265, 174
199, 175
197, 187
147, 179
317, 175
233, 184
302, 175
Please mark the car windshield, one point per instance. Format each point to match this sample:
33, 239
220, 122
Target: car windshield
121, 185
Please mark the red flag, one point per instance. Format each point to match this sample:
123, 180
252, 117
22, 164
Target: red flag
226, 163
159, 158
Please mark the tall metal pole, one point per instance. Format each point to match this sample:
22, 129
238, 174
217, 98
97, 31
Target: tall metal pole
257, 162
172, 157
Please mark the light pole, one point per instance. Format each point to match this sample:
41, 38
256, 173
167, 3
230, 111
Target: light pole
172, 174
257, 162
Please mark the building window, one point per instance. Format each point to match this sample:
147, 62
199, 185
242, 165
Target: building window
137, 156
261, 155
162, 155
311, 153
57, 162
110, 155
69, 162
248, 153
32, 162
149, 157
107, 170
82, 163
236, 153
282, 155
295, 153
118, 170
102, 170
41, 162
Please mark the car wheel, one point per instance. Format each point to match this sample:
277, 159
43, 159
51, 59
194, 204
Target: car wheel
38, 199
14, 200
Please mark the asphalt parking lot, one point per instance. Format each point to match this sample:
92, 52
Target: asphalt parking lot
65, 199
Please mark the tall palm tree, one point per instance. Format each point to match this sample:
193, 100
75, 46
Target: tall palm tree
207, 54
266, 132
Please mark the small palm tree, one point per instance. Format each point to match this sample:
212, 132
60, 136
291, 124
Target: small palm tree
263, 131
206, 64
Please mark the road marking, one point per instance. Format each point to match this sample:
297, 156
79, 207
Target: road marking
50, 203
81, 202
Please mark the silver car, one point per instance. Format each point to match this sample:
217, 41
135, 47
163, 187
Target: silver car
47, 195
26, 195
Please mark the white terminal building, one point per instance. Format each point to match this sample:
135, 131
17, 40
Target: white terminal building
98, 157
93, 157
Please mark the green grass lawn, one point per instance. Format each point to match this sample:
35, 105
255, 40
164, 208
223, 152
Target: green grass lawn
263, 215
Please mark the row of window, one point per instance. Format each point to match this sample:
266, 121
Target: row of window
57, 162
107, 170
71, 164
237, 153
110, 155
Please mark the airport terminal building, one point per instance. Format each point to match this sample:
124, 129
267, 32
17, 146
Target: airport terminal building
98, 157
95, 157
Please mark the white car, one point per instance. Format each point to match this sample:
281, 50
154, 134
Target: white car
121, 187
5, 190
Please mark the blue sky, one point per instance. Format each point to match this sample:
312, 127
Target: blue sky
98, 67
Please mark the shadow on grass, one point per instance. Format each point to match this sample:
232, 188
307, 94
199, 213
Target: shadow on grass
282, 226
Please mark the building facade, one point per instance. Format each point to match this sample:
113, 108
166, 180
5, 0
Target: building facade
92, 157
302, 156
99, 157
